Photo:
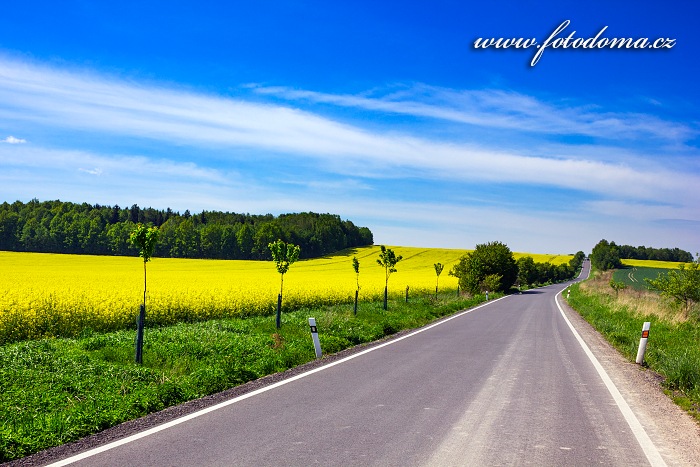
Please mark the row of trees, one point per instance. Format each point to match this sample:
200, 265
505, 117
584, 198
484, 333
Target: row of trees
607, 255
492, 267
531, 273
656, 254
64, 227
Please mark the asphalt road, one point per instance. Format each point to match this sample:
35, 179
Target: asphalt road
507, 383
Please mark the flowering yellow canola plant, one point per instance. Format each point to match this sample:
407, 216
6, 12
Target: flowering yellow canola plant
43, 295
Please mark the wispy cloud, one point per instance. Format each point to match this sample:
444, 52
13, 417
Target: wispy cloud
94, 103
122, 167
220, 134
95, 171
13, 140
504, 109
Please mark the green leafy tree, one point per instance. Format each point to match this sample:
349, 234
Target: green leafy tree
605, 255
388, 260
284, 255
682, 284
438, 270
491, 282
617, 286
144, 238
245, 241
264, 235
577, 261
527, 271
487, 259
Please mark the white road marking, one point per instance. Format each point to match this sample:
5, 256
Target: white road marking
643, 439
165, 426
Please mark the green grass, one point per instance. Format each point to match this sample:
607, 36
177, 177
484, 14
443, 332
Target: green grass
673, 349
634, 276
54, 391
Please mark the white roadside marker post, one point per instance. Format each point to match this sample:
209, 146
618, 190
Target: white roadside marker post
643, 343
314, 336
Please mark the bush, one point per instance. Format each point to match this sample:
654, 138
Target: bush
489, 259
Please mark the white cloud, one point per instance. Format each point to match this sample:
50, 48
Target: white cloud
117, 166
95, 171
94, 103
13, 140
502, 109
224, 131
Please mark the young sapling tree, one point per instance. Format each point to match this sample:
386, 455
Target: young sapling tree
617, 286
284, 255
438, 270
388, 260
144, 238
356, 268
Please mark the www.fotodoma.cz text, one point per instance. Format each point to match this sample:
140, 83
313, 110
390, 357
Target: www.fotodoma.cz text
556, 40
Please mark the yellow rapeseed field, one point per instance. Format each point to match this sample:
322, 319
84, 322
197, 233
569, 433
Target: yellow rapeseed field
61, 295
648, 263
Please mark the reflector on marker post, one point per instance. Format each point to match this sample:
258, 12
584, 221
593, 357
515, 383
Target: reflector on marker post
643, 342
314, 337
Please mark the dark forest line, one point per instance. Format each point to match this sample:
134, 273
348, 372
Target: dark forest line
608, 255
65, 227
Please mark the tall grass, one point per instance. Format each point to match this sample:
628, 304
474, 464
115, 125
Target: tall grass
673, 348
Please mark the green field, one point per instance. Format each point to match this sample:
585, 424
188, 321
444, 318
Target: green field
634, 276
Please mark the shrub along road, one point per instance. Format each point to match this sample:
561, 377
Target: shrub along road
504, 383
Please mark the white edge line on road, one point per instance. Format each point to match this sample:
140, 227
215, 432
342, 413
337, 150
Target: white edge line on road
643, 439
165, 426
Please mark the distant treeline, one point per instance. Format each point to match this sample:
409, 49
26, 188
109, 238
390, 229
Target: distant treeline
64, 227
656, 254
608, 255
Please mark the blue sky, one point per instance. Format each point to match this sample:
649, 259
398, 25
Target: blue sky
382, 112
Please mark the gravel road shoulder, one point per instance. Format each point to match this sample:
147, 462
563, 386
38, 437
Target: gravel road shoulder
675, 433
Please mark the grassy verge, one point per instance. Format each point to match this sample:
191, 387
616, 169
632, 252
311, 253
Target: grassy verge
53, 391
673, 348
